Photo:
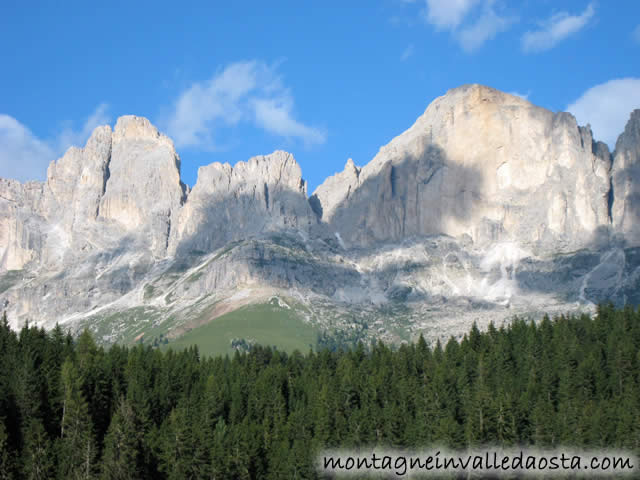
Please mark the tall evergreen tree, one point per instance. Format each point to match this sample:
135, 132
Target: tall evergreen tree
77, 445
122, 459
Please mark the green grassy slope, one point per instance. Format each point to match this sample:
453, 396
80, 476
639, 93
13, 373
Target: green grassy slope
265, 324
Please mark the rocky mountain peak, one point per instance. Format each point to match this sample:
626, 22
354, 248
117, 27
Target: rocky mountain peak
478, 163
335, 190
626, 181
137, 128
485, 198
475, 93
266, 192
630, 138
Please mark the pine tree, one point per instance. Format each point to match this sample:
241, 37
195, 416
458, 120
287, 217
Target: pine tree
122, 452
77, 445
181, 457
219, 452
37, 455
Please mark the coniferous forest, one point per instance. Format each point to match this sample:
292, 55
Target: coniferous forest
70, 409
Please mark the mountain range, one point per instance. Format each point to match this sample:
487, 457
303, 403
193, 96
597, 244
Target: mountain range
486, 208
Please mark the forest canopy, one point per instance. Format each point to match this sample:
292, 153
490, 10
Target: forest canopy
72, 409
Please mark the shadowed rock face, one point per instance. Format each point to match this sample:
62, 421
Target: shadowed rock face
481, 163
227, 203
626, 181
487, 201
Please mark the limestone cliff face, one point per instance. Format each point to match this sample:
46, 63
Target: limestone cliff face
626, 181
122, 183
228, 203
20, 237
41, 221
478, 163
76, 183
472, 203
335, 191
143, 191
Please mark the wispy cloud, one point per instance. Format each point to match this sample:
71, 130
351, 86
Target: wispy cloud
636, 34
448, 14
525, 96
24, 156
274, 116
471, 22
555, 29
607, 107
487, 26
243, 92
407, 52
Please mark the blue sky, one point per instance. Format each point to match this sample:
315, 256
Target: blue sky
323, 80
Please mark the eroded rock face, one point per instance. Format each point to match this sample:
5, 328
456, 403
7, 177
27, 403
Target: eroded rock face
484, 203
143, 191
626, 181
335, 191
76, 183
478, 163
228, 203
42, 221
20, 226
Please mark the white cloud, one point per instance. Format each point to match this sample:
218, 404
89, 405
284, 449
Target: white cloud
274, 115
607, 107
486, 27
524, 96
471, 22
250, 92
407, 52
448, 14
24, 156
556, 29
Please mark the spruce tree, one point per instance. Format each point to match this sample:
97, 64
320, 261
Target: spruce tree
122, 451
77, 445
37, 457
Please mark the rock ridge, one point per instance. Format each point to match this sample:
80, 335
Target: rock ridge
486, 198
484, 162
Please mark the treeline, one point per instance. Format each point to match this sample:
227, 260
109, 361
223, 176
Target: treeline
70, 409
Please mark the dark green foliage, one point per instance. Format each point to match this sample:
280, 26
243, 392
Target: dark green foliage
70, 409
122, 459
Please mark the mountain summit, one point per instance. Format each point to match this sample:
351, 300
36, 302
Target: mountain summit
480, 163
488, 206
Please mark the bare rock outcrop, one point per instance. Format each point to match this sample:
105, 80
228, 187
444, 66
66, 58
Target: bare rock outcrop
335, 190
487, 203
20, 226
625, 210
42, 221
143, 192
482, 164
266, 193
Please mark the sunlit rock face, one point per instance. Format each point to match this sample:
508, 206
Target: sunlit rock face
487, 207
480, 163
20, 237
144, 191
40, 220
626, 181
